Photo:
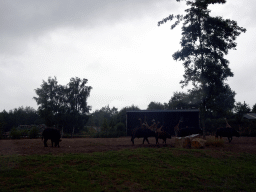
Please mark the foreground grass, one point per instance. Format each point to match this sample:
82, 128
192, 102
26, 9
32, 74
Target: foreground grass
143, 169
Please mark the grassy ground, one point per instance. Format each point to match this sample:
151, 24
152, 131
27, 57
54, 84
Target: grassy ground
142, 169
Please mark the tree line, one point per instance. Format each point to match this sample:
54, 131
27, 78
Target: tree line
106, 118
107, 122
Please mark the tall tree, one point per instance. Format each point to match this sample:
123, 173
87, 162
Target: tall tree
181, 100
121, 116
77, 94
98, 116
5, 122
48, 100
64, 106
254, 108
155, 106
221, 101
205, 41
240, 109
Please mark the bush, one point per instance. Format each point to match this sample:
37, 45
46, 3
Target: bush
1, 130
1, 133
120, 129
24, 133
15, 134
104, 134
33, 133
211, 125
111, 132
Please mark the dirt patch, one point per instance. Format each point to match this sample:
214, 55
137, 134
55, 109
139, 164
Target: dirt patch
89, 145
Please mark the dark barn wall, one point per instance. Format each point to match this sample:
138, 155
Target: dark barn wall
168, 118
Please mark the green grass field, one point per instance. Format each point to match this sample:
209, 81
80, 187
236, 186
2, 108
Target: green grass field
142, 169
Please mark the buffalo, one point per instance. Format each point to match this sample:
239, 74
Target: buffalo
227, 132
189, 131
142, 132
53, 134
162, 135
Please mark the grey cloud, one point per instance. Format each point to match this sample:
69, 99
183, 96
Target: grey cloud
20, 20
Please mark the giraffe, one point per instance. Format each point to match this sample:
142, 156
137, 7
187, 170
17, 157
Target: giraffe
159, 130
162, 134
227, 125
176, 128
153, 127
145, 125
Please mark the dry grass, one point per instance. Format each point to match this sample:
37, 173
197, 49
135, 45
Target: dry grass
89, 145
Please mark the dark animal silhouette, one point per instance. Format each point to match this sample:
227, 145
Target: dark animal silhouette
53, 135
162, 135
226, 132
142, 133
189, 131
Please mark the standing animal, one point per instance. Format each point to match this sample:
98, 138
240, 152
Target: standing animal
189, 131
226, 132
227, 125
162, 135
154, 125
140, 122
53, 135
176, 128
142, 132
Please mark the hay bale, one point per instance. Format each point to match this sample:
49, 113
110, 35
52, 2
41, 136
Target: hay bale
213, 142
178, 142
193, 136
182, 142
198, 143
186, 143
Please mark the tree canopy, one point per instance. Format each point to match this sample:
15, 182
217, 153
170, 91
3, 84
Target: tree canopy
64, 106
254, 108
156, 106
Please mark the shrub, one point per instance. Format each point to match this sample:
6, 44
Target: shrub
24, 133
91, 131
1, 132
212, 124
15, 134
111, 132
120, 129
33, 133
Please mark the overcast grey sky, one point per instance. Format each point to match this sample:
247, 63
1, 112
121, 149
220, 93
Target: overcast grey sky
116, 45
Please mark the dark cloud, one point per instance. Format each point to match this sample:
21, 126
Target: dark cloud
25, 19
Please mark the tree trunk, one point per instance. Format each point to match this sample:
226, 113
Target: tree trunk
203, 117
62, 132
72, 132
